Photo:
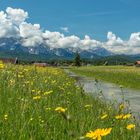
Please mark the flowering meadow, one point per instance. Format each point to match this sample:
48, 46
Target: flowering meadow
39, 103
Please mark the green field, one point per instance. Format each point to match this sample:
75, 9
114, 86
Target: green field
44, 104
122, 75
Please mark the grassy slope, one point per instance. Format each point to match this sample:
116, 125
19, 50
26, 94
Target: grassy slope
24, 118
121, 75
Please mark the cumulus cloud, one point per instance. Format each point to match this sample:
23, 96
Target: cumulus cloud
13, 24
2, 16
88, 43
69, 41
16, 16
31, 34
52, 38
117, 45
58, 40
10, 20
114, 43
134, 39
7, 29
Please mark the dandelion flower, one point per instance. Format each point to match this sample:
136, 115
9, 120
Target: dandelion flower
130, 126
127, 116
122, 116
98, 133
60, 110
119, 116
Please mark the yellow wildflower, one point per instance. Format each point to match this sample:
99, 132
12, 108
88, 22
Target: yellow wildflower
27, 82
104, 116
54, 81
48, 108
38, 91
127, 116
11, 82
1, 66
48, 92
60, 109
98, 133
119, 116
26, 70
121, 106
130, 126
33, 90
88, 106
31, 119
20, 76
36, 97
5, 117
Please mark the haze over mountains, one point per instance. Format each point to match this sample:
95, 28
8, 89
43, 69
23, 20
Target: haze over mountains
18, 36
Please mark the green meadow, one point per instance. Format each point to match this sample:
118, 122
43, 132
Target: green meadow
126, 76
45, 104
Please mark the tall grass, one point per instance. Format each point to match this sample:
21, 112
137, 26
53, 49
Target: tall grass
126, 76
30, 97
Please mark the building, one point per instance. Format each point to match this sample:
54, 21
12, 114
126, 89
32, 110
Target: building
9, 60
41, 64
137, 64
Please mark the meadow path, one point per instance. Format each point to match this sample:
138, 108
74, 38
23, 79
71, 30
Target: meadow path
111, 92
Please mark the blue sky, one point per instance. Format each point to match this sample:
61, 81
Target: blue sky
92, 17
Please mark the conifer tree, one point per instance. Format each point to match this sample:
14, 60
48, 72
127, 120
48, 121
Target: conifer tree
77, 60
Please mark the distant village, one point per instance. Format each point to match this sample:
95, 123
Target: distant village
57, 64
16, 61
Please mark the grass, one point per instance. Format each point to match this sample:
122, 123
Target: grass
126, 76
29, 101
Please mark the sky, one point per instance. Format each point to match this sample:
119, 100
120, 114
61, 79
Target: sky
91, 17
106, 23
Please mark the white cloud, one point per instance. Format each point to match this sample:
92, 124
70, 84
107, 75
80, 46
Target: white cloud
114, 43
52, 38
13, 24
69, 41
88, 43
16, 16
113, 40
117, 45
31, 34
134, 39
7, 29
2, 16
58, 40
65, 29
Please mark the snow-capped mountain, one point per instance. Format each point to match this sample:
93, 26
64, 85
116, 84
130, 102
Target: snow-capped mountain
15, 45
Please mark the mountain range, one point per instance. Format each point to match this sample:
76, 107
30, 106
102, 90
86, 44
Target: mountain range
12, 47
